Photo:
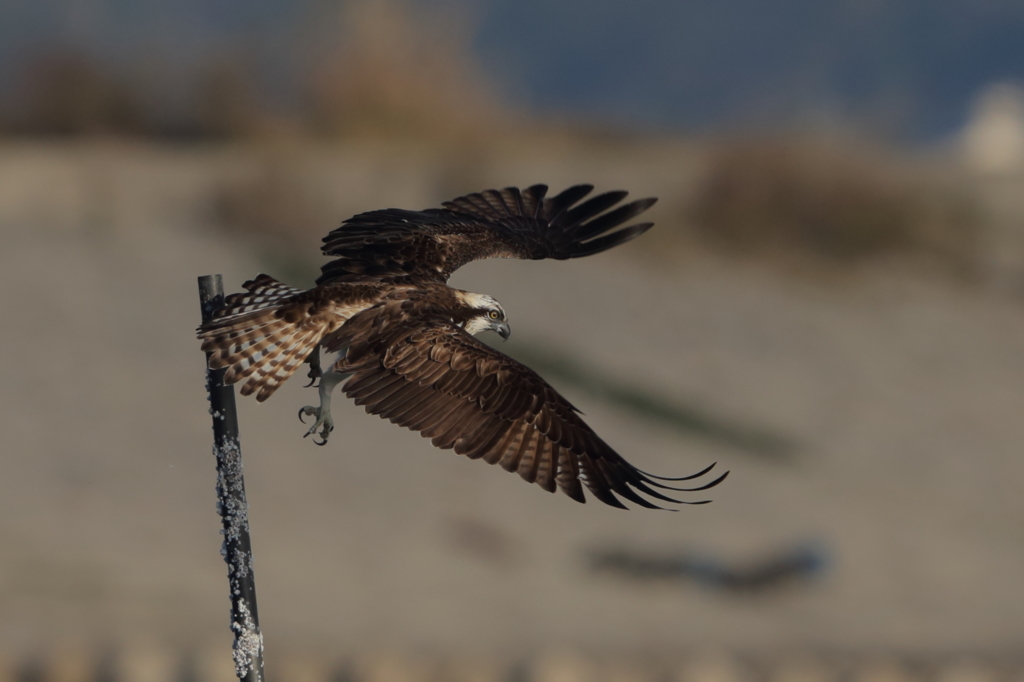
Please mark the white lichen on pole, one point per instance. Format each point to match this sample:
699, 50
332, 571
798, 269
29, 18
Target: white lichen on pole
236, 548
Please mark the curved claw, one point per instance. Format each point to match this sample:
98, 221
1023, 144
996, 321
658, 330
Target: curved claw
323, 422
324, 434
314, 367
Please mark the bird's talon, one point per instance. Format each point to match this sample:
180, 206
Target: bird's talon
323, 426
307, 410
325, 432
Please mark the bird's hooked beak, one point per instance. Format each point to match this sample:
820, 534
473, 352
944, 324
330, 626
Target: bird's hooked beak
503, 329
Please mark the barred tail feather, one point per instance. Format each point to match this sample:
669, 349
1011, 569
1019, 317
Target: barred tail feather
281, 363
263, 291
260, 347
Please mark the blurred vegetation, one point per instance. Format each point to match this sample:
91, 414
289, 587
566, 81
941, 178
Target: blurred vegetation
400, 70
227, 103
379, 67
66, 93
830, 202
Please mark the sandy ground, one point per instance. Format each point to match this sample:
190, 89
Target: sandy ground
904, 394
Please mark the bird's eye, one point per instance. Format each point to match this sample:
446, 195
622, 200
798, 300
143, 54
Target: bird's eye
494, 314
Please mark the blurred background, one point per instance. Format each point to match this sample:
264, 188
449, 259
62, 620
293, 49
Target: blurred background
831, 306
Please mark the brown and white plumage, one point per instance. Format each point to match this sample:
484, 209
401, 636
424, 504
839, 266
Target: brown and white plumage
264, 335
433, 377
405, 337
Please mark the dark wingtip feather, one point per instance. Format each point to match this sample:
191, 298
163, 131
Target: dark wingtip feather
535, 194
608, 498
574, 193
642, 481
680, 478
576, 494
610, 240
712, 484
644, 488
556, 206
594, 206
582, 231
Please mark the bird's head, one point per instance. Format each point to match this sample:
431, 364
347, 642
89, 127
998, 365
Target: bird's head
482, 313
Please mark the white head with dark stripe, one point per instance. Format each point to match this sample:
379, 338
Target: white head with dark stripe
481, 313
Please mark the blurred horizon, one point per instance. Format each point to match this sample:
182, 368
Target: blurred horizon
908, 71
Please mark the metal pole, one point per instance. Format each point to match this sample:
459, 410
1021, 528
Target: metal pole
236, 550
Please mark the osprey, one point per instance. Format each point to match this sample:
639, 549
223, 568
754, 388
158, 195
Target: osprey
405, 339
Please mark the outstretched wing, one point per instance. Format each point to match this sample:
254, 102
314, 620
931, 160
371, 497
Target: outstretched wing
396, 245
434, 378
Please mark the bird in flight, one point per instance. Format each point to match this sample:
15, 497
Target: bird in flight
405, 339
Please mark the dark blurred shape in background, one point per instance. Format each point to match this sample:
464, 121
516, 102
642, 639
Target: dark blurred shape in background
69, 93
775, 571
